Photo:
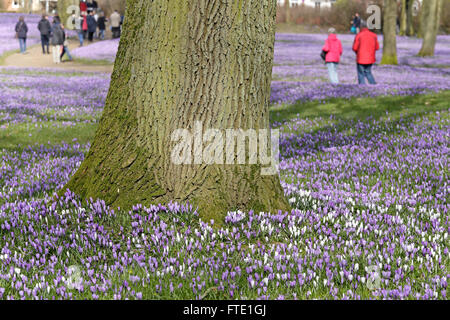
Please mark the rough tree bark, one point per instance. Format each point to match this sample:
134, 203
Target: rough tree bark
431, 21
410, 18
180, 62
403, 18
389, 32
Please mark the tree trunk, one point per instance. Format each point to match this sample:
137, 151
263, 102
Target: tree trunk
410, 18
287, 10
403, 18
180, 62
65, 8
389, 34
431, 21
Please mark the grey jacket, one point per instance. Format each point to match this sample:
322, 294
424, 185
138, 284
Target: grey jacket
57, 35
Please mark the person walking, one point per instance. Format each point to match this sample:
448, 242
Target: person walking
365, 46
90, 6
65, 46
45, 29
115, 24
84, 25
57, 40
333, 48
101, 22
83, 6
92, 26
78, 26
357, 23
21, 34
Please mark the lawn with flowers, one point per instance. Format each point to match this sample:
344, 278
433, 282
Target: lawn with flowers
365, 169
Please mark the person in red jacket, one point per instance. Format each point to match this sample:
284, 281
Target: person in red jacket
365, 46
83, 6
333, 48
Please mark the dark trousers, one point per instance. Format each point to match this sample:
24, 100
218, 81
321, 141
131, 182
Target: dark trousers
90, 36
116, 32
365, 71
45, 42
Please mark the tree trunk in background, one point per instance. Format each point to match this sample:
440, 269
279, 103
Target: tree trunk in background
180, 62
431, 20
389, 34
403, 18
287, 10
410, 18
64, 10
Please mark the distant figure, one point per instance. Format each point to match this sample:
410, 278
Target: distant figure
78, 25
357, 22
101, 22
92, 26
84, 25
83, 6
352, 25
365, 46
65, 47
333, 48
45, 28
57, 40
115, 24
90, 6
21, 34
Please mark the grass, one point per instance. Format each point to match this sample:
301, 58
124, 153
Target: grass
362, 108
18, 136
92, 62
298, 28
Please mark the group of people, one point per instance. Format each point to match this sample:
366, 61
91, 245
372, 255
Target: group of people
54, 34
365, 46
51, 34
91, 22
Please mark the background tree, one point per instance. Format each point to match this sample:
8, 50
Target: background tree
403, 17
410, 18
287, 10
389, 32
431, 13
179, 62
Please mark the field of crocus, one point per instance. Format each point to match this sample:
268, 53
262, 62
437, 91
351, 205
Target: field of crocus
365, 169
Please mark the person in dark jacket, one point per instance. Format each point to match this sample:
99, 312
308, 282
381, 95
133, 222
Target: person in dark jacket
365, 46
57, 40
65, 47
92, 26
357, 23
90, 6
101, 22
21, 34
45, 29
